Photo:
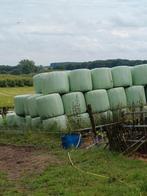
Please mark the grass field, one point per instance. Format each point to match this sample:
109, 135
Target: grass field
7, 95
124, 176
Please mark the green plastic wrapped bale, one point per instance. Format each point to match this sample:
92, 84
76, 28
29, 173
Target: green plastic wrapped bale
11, 120
102, 78
103, 118
38, 82
36, 123
56, 82
1, 121
28, 120
26, 106
135, 96
117, 98
32, 105
58, 123
80, 80
139, 74
19, 105
50, 106
122, 76
98, 99
74, 103
20, 121
78, 121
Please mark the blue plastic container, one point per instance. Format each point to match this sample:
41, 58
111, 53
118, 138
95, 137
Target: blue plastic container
71, 140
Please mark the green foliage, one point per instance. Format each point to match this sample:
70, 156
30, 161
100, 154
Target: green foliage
96, 64
7, 80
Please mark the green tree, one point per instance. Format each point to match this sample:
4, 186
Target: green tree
26, 66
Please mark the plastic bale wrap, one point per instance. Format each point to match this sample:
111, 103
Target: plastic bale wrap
50, 106
122, 76
117, 98
19, 101
80, 80
74, 103
135, 96
103, 117
1, 121
98, 99
26, 106
139, 74
28, 121
32, 105
56, 82
20, 121
58, 124
102, 78
38, 82
11, 120
36, 123
78, 121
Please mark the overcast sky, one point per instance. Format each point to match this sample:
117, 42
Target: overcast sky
72, 30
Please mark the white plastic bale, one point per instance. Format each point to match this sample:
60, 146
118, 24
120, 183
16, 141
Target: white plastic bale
50, 106
139, 74
98, 99
19, 101
122, 76
103, 118
135, 96
26, 106
74, 103
38, 82
117, 98
32, 105
55, 82
20, 121
102, 78
11, 120
80, 80
58, 124
36, 123
78, 121
28, 121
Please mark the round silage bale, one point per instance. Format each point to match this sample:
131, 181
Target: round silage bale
74, 103
58, 123
103, 117
50, 106
122, 76
32, 105
11, 119
20, 121
80, 80
135, 96
56, 82
20, 104
38, 82
117, 98
1, 121
26, 106
102, 78
139, 74
36, 122
78, 121
98, 99
28, 121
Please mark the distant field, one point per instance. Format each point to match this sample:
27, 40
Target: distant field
7, 95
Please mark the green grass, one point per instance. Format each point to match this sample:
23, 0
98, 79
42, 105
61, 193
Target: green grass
125, 176
7, 95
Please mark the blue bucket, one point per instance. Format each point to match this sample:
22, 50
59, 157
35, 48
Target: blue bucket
71, 140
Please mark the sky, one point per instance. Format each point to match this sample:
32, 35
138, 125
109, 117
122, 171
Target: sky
72, 30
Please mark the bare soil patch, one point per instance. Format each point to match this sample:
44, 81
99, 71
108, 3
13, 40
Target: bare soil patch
18, 161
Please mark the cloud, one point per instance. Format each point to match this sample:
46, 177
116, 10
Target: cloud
67, 30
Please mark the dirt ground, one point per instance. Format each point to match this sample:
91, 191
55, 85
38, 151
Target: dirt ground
18, 161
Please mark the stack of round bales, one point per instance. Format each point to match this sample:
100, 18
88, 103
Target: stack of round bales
62, 97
